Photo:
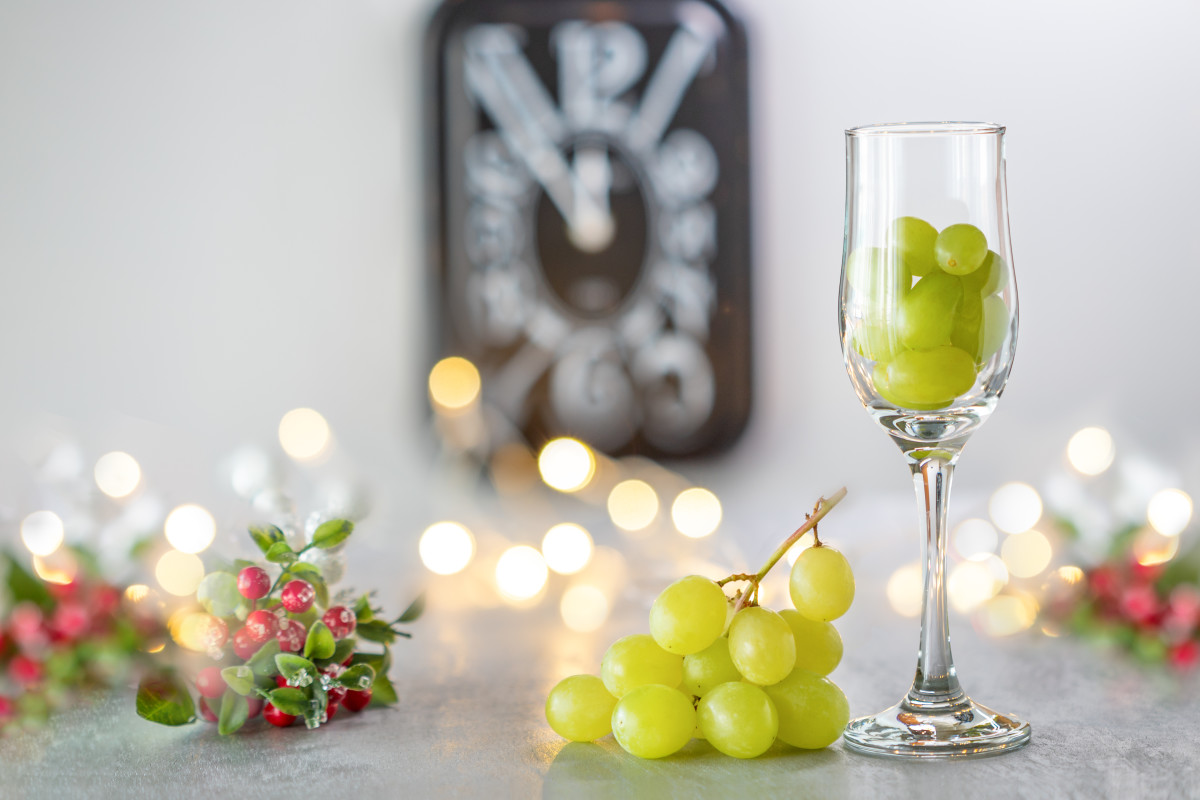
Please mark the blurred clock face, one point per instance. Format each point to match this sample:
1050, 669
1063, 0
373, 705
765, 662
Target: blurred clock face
591, 186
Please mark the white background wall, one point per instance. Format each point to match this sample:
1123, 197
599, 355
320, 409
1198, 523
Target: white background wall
211, 213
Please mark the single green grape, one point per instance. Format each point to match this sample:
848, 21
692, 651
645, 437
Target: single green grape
709, 668
880, 379
761, 645
927, 313
822, 584
921, 378
876, 341
653, 721
688, 615
914, 239
738, 719
637, 660
580, 709
818, 644
813, 711
960, 249
880, 277
966, 335
991, 277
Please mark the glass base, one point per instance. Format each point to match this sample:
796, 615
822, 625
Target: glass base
961, 729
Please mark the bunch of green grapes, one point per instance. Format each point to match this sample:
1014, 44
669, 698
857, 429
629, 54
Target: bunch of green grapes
928, 337
739, 680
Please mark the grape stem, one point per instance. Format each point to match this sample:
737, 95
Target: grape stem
820, 509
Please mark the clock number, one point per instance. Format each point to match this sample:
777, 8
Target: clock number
676, 380
597, 63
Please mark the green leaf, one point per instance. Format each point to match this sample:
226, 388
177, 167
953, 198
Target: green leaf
163, 698
342, 650
415, 609
362, 609
280, 553
303, 569
265, 536
376, 631
297, 670
234, 712
240, 678
382, 692
320, 643
289, 701
24, 587
332, 533
359, 676
262, 663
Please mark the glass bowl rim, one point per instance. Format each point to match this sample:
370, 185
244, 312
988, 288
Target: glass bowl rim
926, 128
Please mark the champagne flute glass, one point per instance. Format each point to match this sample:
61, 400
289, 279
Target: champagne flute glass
928, 327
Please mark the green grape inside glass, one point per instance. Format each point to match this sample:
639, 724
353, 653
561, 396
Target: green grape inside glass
928, 324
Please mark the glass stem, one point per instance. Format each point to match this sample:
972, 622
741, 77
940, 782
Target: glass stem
936, 683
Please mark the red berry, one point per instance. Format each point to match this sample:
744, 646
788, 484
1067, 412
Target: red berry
330, 710
262, 624
336, 695
254, 583
25, 622
341, 621
207, 712
1139, 603
291, 635
8, 710
298, 596
256, 707
216, 633
24, 671
244, 644
276, 717
1185, 655
280, 681
105, 600
71, 620
356, 700
210, 683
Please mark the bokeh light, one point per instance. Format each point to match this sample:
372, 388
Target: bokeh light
1070, 574
1026, 554
584, 608
1091, 450
190, 528
199, 632
1169, 511
1151, 547
42, 532
975, 539
905, 590
567, 548
632, 505
137, 592
117, 474
521, 572
696, 512
1015, 507
1007, 614
454, 384
59, 567
179, 573
304, 434
446, 548
970, 585
566, 464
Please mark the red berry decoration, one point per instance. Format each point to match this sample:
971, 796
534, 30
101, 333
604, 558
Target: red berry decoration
291, 635
356, 700
330, 710
297, 596
276, 717
262, 624
70, 621
8, 709
24, 671
340, 621
206, 712
255, 707
336, 695
244, 644
210, 683
254, 583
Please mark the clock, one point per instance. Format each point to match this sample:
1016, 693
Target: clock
588, 186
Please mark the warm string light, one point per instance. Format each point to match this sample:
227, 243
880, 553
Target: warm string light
42, 532
304, 434
1169, 511
975, 539
521, 573
567, 548
117, 474
696, 512
633, 505
454, 385
1015, 507
179, 573
190, 528
1026, 554
566, 464
1091, 451
446, 548
905, 590
584, 608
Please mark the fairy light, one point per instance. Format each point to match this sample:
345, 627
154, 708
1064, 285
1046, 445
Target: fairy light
696, 512
42, 532
454, 384
975, 539
566, 464
521, 572
446, 548
1151, 548
1070, 574
584, 608
970, 585
1007, 614
567, 548
137, 592
632, 505
1015, 507
1026, 554
58, 568
1169, 511
117, 474
304, 434
190, 528
1091, 450
179, 573
197, 631
905, 590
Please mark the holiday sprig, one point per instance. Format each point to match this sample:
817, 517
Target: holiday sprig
294, 650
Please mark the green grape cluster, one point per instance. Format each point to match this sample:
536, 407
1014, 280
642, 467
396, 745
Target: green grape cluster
931, 311
740, 681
